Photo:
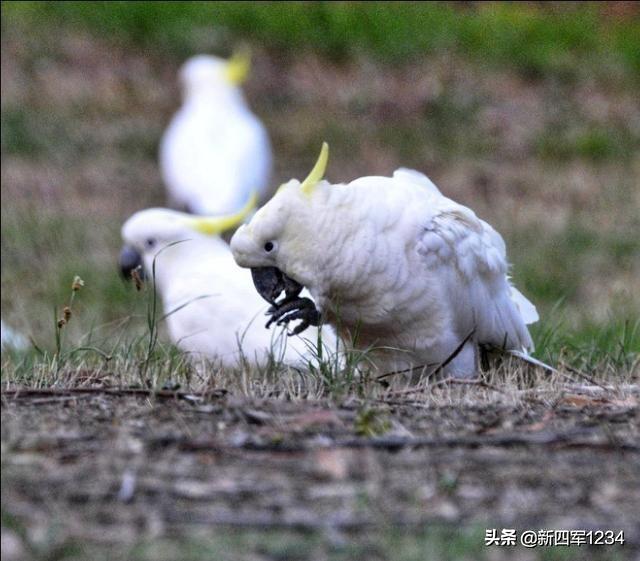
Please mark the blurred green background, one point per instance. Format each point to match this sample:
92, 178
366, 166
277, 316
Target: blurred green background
527, 112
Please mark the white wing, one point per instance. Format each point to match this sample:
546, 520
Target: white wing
212, 160
471, 258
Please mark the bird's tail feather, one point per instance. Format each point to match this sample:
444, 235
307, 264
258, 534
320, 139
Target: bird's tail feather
525, 307
526, 357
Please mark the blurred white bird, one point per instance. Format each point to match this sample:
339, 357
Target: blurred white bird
11, 339
212, 309
392, 264
215, 152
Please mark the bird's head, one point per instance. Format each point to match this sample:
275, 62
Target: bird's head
279, 239
211, 75
153, 231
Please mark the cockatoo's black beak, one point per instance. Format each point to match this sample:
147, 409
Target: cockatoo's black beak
129, 261
271, 281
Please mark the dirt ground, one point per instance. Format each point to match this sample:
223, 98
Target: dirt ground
354, 480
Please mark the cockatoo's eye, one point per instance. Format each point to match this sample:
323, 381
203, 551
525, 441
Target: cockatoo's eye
150, 242
269, 247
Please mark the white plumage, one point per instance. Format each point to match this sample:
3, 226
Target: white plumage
408, 270
211, 306
215, 152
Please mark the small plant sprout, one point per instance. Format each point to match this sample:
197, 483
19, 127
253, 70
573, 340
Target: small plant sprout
61, 322
77, 284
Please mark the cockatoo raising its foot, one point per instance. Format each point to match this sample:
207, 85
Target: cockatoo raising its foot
392, 264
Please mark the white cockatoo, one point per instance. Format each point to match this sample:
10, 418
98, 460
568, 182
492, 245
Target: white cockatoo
392, 264
215, 152
212, 309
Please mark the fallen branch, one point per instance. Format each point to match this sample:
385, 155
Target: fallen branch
58, 399
584, 376
439, 367
29, 393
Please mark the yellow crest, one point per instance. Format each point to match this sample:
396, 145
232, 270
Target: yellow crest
317, 173
238, 66
216, 225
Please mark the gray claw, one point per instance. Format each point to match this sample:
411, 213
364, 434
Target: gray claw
301, 308
299, 328
281, 309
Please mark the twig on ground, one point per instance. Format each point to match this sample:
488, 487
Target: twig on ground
584, 376
58, 399
27, 393
439, 367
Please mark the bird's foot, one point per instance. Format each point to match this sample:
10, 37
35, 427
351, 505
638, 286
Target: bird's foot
292, 309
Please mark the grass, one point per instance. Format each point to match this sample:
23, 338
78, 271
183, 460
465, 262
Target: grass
31, 241
116, 352
128, 353
594, 143
534, 39
570, 256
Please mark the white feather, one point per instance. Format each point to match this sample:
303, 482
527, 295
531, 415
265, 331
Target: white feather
527, 309
475, 264
526, 357
419, 178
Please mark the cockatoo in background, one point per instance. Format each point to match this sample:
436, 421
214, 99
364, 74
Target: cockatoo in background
211, 306
392, 264
215, 152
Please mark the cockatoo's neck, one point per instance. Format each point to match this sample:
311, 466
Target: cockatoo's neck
186, 259
329, 221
